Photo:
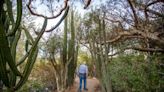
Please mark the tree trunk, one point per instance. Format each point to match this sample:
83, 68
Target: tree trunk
103, 73
104, 60
61, 80
60, 86
106, 81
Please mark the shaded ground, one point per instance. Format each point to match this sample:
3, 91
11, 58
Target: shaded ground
92, 85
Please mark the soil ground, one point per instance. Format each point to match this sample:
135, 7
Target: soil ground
92, 85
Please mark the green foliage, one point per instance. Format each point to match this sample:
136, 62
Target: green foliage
85, 57
33, 85
129, 73
41, 77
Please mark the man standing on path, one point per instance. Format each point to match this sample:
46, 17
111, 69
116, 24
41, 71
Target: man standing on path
83, 73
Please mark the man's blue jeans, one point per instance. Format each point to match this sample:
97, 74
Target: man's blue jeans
82, 78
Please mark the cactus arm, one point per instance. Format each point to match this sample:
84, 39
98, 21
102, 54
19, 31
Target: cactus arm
22, 59
31, 59
13, 53
18, 19
3, 72
30, 41
9, 10
28, 35
65, 42
6, 24
30, 62
7, 52
14, 44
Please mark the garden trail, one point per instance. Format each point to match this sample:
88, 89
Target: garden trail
92, 85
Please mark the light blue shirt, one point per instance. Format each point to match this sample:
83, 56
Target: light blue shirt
83, 68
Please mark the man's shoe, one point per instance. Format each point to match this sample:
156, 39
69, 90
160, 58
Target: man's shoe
86, 89
79, 90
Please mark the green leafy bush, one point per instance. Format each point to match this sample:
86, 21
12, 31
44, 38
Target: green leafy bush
129, 74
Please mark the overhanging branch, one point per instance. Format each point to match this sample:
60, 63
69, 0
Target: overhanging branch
154, 12
41, 15
134, 12
60, 21
87, 4
138, 49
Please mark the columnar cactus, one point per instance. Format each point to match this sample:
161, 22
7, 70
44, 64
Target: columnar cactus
72, 53
10, 75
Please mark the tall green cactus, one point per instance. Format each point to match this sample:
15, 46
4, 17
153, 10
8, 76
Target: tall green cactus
12, 78
9, 39
65, 41
69, 54
72, 53
7, 48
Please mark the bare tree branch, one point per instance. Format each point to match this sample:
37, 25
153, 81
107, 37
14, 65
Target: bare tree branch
52, 17
154, 2
134, 12
156, 13
119, 37
138, 49
146, 49
60, 21
116, 21
88, 3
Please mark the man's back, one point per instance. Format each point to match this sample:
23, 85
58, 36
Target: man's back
83, 72
83, 69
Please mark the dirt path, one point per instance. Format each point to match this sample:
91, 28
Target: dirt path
92, 85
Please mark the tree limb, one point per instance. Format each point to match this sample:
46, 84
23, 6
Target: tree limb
134, 12
154, 2
41, 15
154, 12
138, 49
60, 21
88, 3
